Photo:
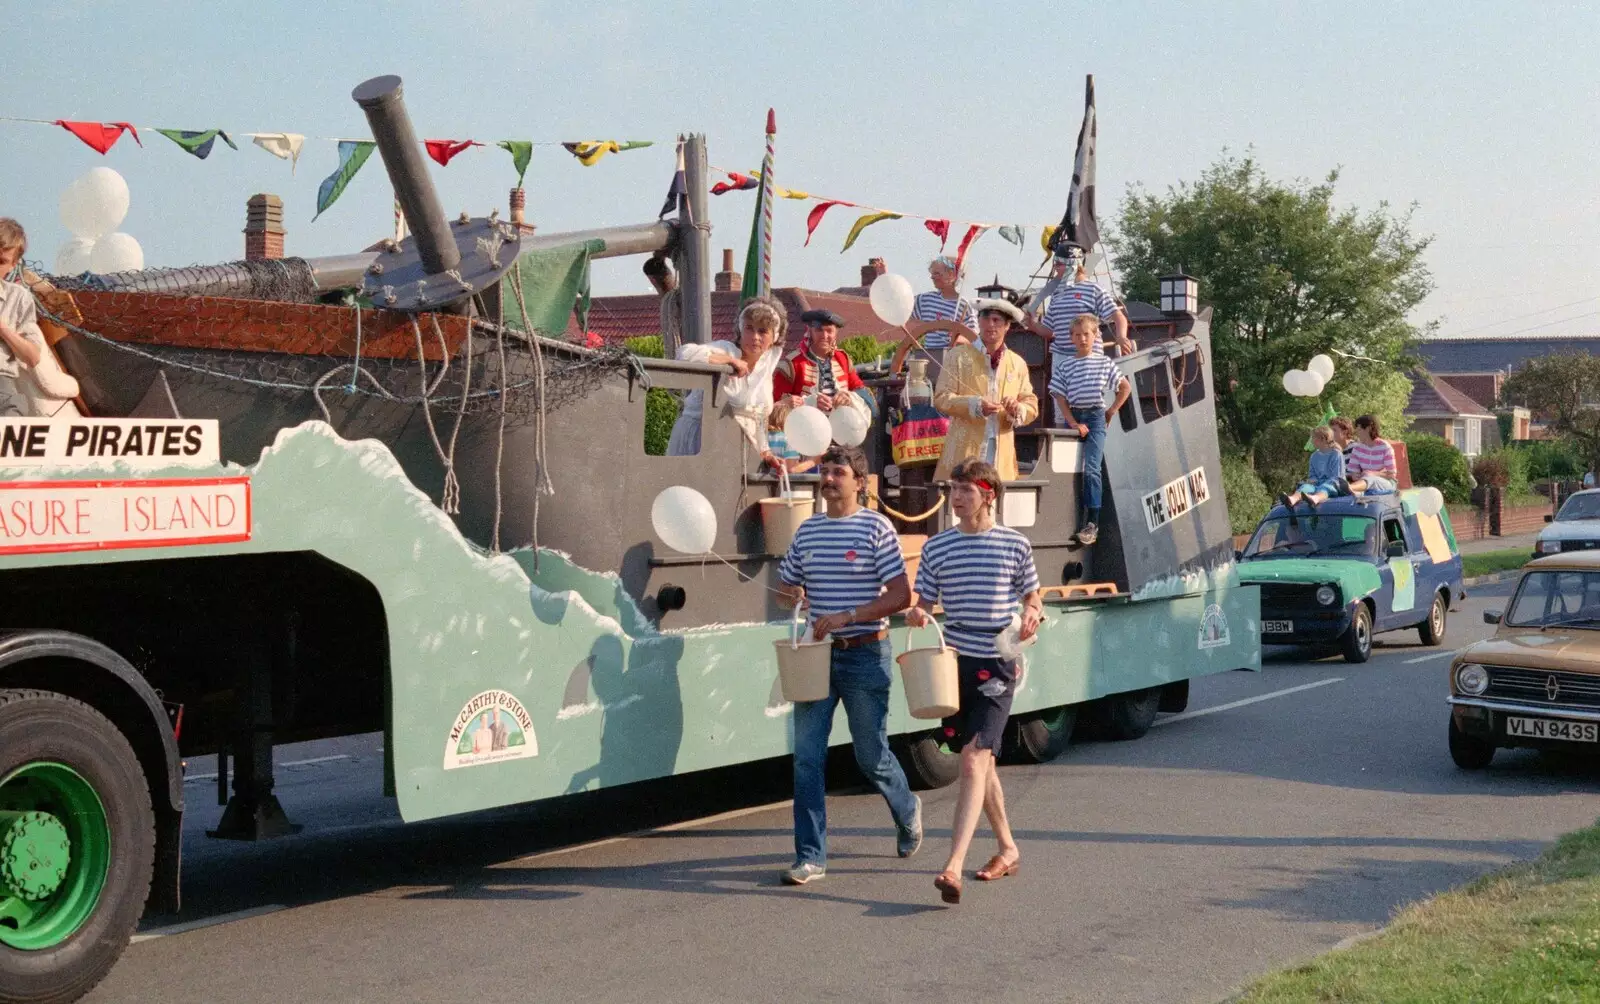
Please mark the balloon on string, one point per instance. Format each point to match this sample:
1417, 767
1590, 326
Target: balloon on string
807, 431
117, 252
684, 520
892, 299
848, 425
1312, 382
1291, 381
1430, 501
73, 258
95, 203
1322, 365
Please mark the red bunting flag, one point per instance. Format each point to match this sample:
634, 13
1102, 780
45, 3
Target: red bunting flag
444, 150
815, 216
973, 233
100, 136
736, 183
939, 229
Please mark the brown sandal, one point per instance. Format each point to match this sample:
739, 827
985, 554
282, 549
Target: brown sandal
997, 868
949, 887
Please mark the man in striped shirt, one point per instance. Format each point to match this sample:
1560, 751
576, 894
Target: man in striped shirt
1372, 469
940, 317
983, 575
1069, 302
845, 567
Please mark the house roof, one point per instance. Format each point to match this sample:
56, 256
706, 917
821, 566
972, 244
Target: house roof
1435, 397
1489, 355
615, 318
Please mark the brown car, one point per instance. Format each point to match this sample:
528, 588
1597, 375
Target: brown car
1536, 682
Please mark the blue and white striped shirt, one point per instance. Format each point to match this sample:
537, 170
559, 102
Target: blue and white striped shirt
933, 306
1067, 303
844, 563
1084, 380
979, 579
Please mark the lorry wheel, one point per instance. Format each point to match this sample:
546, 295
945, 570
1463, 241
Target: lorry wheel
1039, 737
77, 846
1130, 715
1469, 752
1356, 642
928, 764
1432, 629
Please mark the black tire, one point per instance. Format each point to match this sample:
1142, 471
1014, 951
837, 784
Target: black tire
1356, 642
1130, 715
1432, 629
1469, 752
43, 726
1040, 736
928, 764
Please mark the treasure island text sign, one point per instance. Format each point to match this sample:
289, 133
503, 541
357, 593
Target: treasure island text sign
54, 516
137, 443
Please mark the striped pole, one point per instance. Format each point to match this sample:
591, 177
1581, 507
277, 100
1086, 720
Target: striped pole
766, 207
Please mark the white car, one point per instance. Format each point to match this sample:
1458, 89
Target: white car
1575, 528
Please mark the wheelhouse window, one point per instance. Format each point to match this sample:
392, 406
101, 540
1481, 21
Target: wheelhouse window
1189, 377
1550, 598
1347, 536
1154, 391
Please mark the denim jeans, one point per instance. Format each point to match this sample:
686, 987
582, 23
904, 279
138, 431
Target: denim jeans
859, 678
1094, 448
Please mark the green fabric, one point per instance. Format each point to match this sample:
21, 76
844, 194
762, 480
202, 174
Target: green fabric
555, 284
352, 154
521, 151
751, 287
1328, 415
197, 142
1354, 578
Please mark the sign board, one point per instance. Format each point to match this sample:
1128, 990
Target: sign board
1175, 498
39, 517
140, 443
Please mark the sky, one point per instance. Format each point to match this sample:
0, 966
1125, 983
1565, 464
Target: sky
1483, 116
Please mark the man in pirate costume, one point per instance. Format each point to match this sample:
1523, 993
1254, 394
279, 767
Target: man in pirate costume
818, 373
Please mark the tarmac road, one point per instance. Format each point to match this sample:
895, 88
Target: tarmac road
1235, 838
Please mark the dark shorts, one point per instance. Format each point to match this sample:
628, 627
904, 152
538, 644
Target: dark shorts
987, 687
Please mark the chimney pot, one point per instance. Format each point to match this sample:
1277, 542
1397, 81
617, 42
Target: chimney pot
871, 270
519, 201
727, 259
263, 227
727, 280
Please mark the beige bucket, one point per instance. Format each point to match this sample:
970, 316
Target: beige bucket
803, 666
933, 688
781, 516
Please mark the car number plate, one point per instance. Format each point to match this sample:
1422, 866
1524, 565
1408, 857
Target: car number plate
1549, 728
1277, 627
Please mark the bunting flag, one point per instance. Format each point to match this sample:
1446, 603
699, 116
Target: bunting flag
100, 136
1047, 235
678, 188
196, 141
815, 216
590, 150
736, 183
758, 260
1082, 227
282, 145
521, 151
352, 154
445, 150
939, 229
789, 193
1014, 235
973, 233
863, 223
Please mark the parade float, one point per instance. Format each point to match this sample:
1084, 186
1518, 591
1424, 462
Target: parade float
377, 492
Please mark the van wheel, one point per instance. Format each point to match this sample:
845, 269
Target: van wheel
77, 846
1432, 629
1039, 737
1469, 752
1356, 642
928, 764
1130, 715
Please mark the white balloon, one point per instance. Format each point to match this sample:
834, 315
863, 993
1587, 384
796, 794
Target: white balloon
1431, 502
73, 258
892, 299
849, 426
1322, 365
684, 520
1290, 384
807, 431
1312, 382
117, 252
95, 204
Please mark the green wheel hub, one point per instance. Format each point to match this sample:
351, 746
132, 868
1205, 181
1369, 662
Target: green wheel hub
55, 850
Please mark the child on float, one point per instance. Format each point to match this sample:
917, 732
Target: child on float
778, 454
1078, 385
1325, 471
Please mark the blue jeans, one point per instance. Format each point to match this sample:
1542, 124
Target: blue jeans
860, 679
1094, 449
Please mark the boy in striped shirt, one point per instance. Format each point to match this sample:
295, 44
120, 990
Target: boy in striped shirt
1078, 384
1372, 468
983, 575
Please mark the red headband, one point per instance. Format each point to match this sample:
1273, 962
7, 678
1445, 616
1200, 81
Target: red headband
986, 486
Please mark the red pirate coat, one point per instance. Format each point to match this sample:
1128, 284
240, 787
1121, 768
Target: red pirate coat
797, 374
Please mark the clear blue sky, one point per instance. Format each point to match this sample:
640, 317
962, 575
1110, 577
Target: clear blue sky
1484, 114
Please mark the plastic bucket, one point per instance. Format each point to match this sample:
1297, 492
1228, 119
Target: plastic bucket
781, 516
933, 687
803, 666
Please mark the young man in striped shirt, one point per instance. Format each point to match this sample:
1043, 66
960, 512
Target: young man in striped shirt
1372, 468
983, 575
1079, 383
1071, 301
845, 567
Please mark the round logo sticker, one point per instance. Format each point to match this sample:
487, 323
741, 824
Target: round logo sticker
850, 555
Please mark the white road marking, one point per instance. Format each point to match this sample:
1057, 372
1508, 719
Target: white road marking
287, 763
195, 925
1427, 658
1248, 700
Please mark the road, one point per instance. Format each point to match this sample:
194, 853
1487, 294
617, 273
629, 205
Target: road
1238, 837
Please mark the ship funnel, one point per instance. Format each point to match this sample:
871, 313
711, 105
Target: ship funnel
383, 101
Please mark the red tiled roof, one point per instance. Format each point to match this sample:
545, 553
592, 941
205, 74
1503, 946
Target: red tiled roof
1435, 396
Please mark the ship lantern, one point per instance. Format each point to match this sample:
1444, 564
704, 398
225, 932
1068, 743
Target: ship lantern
1180, 294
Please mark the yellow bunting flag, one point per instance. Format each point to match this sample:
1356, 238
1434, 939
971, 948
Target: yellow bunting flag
862, 224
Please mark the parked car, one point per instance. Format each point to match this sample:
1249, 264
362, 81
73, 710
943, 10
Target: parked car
1536, 681
1575, 527
1354, 568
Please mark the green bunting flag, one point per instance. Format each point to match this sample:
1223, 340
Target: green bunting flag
197, 141
862, 224
521, 152
1328, 415
352, 154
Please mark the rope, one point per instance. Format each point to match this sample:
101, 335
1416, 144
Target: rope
356, 373
500, 441
461, 413
902, 516
542, 482
452, 490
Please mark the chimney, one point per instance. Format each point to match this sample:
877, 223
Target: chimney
519, 201
871, 270
263, 227
728, 280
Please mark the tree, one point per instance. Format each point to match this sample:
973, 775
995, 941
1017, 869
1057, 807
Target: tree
1564, 390
1287, 274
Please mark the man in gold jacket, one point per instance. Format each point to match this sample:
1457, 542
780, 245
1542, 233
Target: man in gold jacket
985, 390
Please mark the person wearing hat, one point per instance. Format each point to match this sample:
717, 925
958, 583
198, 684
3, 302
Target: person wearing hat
986, 392
1069, 300
818, 372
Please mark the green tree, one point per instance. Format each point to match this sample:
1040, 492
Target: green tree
660, 405
1563, 389
1287, 274
1437, 463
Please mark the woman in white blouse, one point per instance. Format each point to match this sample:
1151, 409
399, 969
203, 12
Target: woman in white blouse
748, 393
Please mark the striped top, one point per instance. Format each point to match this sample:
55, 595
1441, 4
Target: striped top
1084, 380
1371, 458
844, 563
933, 306
980, 579
1066, 303
778, 443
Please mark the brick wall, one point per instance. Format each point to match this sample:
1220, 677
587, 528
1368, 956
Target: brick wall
1469, 522
1500, 520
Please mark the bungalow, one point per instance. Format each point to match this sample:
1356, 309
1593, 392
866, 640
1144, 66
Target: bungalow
1440, 407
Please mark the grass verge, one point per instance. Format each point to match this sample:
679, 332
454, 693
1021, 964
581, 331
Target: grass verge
1528, 933
1489, 562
